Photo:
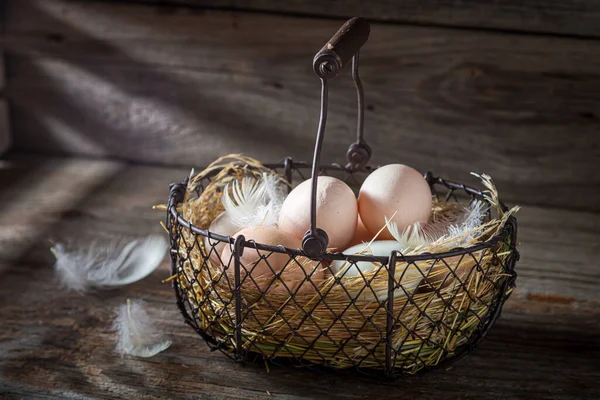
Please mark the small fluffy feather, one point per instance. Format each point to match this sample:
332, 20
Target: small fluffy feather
413, 237
105, 265
466, 229
462, 228
254, 202
136, 332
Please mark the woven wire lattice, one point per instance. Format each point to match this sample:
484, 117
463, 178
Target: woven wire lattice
401, 317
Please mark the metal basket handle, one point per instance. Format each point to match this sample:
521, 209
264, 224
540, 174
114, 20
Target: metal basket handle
327, 64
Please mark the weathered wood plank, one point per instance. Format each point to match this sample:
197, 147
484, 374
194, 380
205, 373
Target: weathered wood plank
578, 17
56, 344
36, 194
135, 83
65, 349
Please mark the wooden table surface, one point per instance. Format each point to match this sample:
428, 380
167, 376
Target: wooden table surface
59, 344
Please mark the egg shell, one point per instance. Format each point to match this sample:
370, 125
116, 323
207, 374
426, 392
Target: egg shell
377, 248
221, 225
258, 273
397, 192
410, 275
337, 211
361, 234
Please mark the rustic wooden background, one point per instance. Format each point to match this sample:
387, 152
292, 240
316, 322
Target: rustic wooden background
110, 101
177, 86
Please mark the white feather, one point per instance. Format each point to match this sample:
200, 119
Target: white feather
136, 333
254, 202
462, 228
105, 265
412, 237
466, 229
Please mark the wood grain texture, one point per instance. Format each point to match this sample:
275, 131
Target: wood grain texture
55, 344
66, 350
136, 83
575, 17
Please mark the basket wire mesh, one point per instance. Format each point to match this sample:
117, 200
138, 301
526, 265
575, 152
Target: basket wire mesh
394, 331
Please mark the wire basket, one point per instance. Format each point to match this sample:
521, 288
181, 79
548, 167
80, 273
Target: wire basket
377, 322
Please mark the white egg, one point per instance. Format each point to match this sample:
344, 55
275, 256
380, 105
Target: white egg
409, 275
377, 248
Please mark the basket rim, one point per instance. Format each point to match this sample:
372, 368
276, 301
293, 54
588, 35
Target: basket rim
176, 197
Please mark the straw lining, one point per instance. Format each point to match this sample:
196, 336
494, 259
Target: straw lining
438, 306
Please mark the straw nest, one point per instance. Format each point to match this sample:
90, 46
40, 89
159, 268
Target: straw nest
439, 303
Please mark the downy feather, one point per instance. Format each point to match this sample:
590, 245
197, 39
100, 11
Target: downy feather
466, 229
413, 237
254, 202
106, 265
136, 332
457, 231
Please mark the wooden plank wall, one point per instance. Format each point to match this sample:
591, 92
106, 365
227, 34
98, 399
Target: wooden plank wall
573, 17
181, 85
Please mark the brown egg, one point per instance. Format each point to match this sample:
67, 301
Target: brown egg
337, 211
221, 225
397, 192
361, 235
258, 267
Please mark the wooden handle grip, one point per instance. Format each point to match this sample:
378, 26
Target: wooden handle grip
340, 49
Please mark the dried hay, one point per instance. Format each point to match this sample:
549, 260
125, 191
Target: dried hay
439, 304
